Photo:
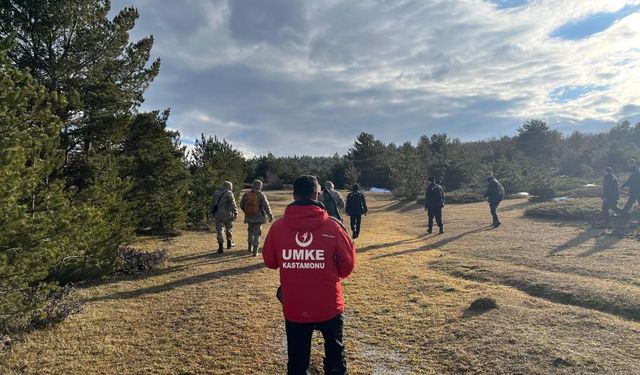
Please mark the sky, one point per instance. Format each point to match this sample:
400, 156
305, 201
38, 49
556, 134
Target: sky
306, 77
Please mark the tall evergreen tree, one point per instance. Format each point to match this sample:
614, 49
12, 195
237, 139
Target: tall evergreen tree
153, 158
212, 161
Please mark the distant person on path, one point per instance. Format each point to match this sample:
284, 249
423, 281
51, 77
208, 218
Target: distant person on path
633, 183
356, 207
494, 195
434, 203
225, 212
256, 210
313, 253
610, 194
332, 200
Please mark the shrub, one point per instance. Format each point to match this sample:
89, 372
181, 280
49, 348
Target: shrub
45, 304
134, 261
573, 209
465, 196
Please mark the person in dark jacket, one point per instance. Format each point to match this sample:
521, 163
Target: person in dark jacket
494, 195
610, 194
313, 253
356, 207
434, 203
633, 183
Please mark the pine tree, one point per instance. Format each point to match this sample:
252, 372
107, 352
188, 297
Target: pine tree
212, 161
35, 214
153, 158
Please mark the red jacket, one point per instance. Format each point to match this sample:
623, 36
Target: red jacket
313, 253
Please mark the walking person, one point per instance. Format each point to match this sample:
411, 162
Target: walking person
434, 203
494, 195
355, 207
224, 212
610, 194
332, 200
313, 253
256, 210
633, 183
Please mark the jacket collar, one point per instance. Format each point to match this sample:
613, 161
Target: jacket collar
308, 202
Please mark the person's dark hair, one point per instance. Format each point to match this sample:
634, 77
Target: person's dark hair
489, 179
305, 186
431, 179
356, 187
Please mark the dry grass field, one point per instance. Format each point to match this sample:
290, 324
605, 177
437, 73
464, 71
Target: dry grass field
568, 300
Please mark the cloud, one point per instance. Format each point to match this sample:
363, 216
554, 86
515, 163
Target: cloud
305, 77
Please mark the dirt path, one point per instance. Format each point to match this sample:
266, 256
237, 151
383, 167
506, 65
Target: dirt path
568, 302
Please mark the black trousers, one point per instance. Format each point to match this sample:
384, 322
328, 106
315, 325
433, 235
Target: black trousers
633, 198
434, 213
610, 205
356, 221
299, 346
493, 206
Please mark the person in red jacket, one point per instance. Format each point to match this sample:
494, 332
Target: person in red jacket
313, 253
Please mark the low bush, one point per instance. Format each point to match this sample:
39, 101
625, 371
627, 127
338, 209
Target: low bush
585, 192
134, 260
572, 209
461, 196
43, 306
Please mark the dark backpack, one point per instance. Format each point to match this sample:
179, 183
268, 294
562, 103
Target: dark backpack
215, 207
354, 203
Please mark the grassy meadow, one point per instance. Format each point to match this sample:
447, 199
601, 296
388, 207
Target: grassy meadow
567, 295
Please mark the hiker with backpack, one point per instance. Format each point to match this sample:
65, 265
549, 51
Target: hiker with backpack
434, 203
494, 195
225, 212
355, 207
610, 194
256, 210
332, 200
313, 253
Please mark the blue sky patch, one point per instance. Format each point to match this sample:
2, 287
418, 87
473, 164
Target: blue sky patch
566, 94
593, 24
505, 4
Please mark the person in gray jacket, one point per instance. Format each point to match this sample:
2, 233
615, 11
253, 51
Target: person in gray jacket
332, 200
256, 210
225, 212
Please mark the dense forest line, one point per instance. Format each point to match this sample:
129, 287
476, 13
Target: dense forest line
82, 169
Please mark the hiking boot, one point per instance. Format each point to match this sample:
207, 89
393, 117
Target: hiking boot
255, 251
429, 231
441, 230
220, 247
495, 225
355, 235
230, 244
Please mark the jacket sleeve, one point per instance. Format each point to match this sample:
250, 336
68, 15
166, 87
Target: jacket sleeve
364, 204
348, 203
266, 206
269, 251
339, 200
232, 204
243, 201
426, 198
442, 194
345, 255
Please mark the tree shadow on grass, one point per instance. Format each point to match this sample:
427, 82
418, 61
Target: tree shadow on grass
603, 241
513, 207
435, 245
192, 280
383, 245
